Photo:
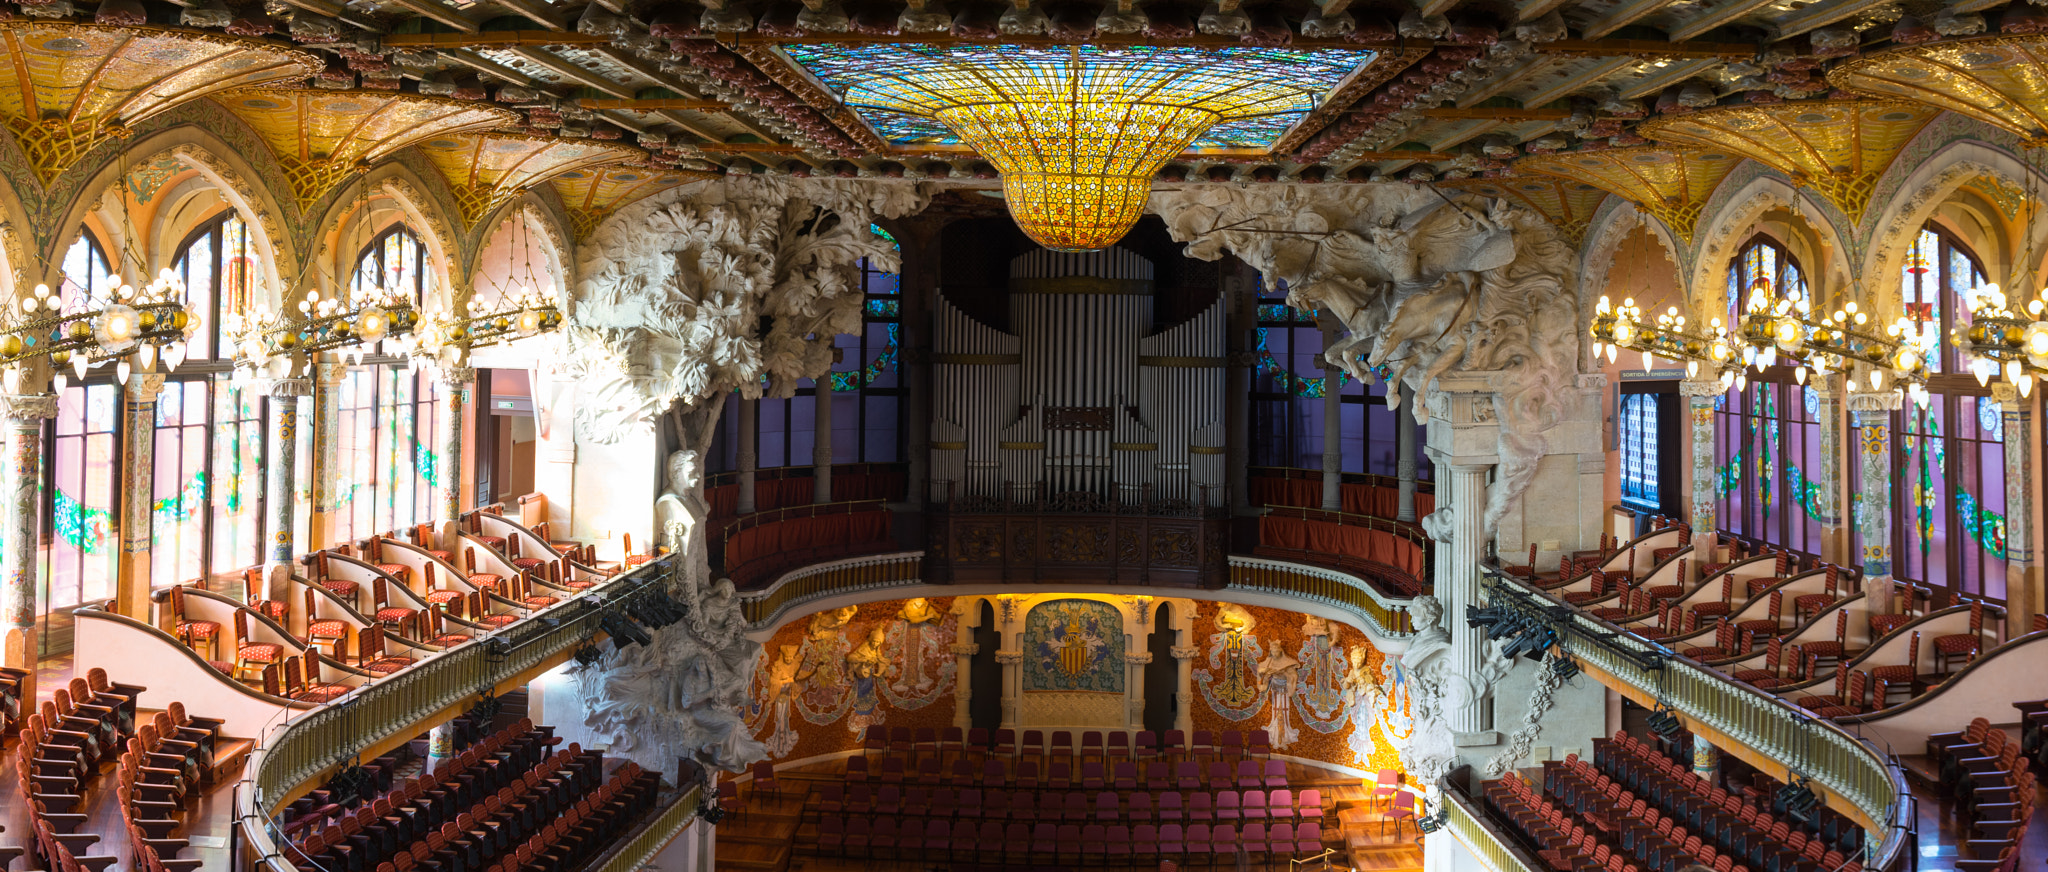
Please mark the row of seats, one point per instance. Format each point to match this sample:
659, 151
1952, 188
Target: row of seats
1103, 807
1563, 842
1020, 842
1753, 825
581, 833
1060, 774
1099, 744
1987, 776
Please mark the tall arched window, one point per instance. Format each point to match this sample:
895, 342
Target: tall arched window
1948, 455
1767, 435
88, 275
395, 261
217, 263
82, 459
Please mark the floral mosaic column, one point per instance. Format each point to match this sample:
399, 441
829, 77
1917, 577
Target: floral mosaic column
326, 424
2022, 598
1706, 760
1873, 412
1706, 479
456, 383
1834, 534
23, 417
138, 465
280, 492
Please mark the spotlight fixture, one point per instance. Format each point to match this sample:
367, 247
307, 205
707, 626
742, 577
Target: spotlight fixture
1564, 666
587, 655
1431, 823
1666, 723
1797, 800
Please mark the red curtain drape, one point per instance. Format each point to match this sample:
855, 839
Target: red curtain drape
807, 534
1340, 541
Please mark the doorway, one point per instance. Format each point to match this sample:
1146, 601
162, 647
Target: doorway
985, 675
1162, 675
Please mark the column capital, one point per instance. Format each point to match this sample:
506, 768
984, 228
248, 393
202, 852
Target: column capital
1185, 652
966, 649
329, 373
1702, 387
143, 387
456, 376
1139, 657
286, 388
1876, 401
2008, 395
28, 407
1009, 658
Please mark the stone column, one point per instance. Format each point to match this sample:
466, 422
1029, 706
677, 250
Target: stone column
1013, 684
138, 475
326, 424
1404, 455
280, 491
749, 452
1874, 515
1700, 394
455, 384
1183, 688
963, 670
1706, 760
2022, 601
821, 447
1834, 533
1464, 438
1135, 661
440, 745
23, 417
1333, 425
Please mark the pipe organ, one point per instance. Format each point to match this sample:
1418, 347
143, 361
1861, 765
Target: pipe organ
1080, 408
1080, 446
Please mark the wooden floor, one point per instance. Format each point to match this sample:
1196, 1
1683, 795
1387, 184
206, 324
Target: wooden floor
775, 833
207, 819
1938, 833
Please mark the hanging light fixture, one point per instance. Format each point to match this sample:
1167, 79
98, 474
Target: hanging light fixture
1079, 131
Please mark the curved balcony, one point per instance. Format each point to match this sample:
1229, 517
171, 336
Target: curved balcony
295, 755
1857, 778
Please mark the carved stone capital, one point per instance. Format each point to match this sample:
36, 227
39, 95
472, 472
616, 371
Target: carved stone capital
329, 374
458, 376
966, 649
286, 388
28, 407
1009, 658
1185, 652
1702, 387
2006, 393
143, 387
1875, 401
1139, 657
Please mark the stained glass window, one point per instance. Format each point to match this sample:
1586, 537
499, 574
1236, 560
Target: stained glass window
355, 457
180, 487
396, 261
235, 484
217, 265
1768, 475
83, 484
1763, 258
1639, 424
1287, 399
89, 279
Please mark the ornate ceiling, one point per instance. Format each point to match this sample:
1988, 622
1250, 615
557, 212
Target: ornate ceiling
1838, 148
1999, 80
590, 195
487, 169
1671, 183
70, 86
1568, 203
322, 137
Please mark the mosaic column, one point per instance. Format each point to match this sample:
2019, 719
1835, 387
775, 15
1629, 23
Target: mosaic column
280, 492
455, 384
1183, 690
440, 745
1333, 426
326, 424
749, 458
821, 443
138, 470
23, 418
1404, 455
1834, 533
1706, 760
1700, 395
1874, 515
2022, 598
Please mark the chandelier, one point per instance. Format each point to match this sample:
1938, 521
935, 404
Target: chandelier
443, 340
276, 344
2000, 340
1621, 327
134, 326
1776, 330
1078, 132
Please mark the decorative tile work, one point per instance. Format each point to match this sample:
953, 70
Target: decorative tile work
1073, 645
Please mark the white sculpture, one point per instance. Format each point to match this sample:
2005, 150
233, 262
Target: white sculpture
681, 511
1430, 750
682, 695
676, 287
1426, 286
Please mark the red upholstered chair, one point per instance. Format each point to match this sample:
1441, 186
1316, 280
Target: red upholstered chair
1890, 678
1964, 645
318, 630
633, 559
188, 631
388, 613
1831, 650
347, 590
302, 680
247, 650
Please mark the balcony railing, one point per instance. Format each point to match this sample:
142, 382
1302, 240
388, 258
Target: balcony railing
307, 747
1467, 823
854, 575
1865, 778
1326, 586
639, 851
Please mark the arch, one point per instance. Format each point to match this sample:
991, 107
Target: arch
1768, 203
1935, 183
390, 193
1606, 240
540, 230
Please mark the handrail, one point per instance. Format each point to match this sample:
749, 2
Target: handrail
299, 750
1408, 530
808, 510
1302, 473
637, 853
1862, 776
1468, 825
817, 581
778, 473
1328, 586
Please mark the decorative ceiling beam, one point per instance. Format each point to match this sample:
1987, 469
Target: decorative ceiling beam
575, 73
437, 12
1647, 49
1435, 7
1463, 135
748, 148
1821, 15
1665, 78
1568, 85
1508, 79
654, 103
1528, 10
1622, 15
1497, 113
1715, 17
492, 68
654, 74
538, 12
340, 13
490, 39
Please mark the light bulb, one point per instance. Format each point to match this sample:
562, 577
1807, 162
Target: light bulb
1742, 381
2025, 383
1649, 362
78, 364
12, 380
1876, 379
121, 370
1908, 359
1612, 353
145, 357
1799, 375
1981, 368
2014, 369
60, 381
1692, 369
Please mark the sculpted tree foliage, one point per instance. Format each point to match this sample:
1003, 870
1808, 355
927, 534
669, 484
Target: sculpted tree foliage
1426, 283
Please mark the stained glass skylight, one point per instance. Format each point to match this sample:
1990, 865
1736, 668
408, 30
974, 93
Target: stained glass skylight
1258, 92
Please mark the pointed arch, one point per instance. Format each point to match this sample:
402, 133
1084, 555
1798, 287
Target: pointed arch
389, 194
1770, 204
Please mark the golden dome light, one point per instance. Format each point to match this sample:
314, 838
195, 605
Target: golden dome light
1079, 131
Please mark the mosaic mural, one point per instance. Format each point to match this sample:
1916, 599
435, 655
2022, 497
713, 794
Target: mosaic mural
852, 667
1074, 644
